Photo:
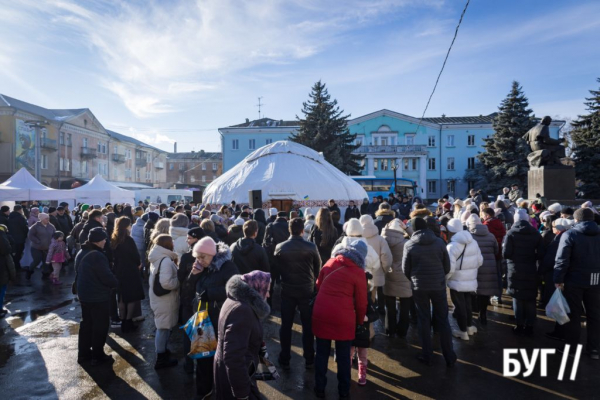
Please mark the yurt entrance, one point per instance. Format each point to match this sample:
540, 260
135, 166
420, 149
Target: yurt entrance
282, 205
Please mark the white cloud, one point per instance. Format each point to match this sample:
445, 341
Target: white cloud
156, 54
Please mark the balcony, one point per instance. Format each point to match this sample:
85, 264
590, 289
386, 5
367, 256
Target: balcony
159, 165
89, 152
118, 158
416, 149
48, 144
140, 162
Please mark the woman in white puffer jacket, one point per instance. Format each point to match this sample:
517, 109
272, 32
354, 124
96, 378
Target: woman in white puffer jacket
465, 260
381, 247
354, 231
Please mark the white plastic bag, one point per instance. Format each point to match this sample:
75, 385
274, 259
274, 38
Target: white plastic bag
557, 308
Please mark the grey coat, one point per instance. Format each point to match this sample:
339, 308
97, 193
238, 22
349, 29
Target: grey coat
396, 283
488, 275
240, 339
41, 236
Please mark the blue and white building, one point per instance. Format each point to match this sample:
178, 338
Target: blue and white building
435, 153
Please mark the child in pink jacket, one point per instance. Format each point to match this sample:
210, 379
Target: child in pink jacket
57, 255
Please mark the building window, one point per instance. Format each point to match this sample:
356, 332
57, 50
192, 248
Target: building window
360, 139
147, 175
67, 164
384, 164
431, 141
61, 163
148, 158
192, 178
235, 144
471, 140
471, 163
375, 164
69, 140
62, 138
84, 167
431, 164
203, 178
406, 163
44, 162
451, 186
85, 142
214, 177
450, 139
181, 166
410, 139
269, 141
214, 166
203, 167
414, 163
137, 174
251, 144
128, 173
431, 186
451, 163
170, 166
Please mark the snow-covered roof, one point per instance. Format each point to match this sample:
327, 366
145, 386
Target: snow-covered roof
284, 170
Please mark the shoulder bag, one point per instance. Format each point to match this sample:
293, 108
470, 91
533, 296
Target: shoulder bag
156, 287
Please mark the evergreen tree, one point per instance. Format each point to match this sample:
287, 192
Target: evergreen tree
324, 128
586, 141
504, 160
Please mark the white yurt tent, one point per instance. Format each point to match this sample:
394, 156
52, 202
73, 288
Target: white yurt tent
22, 186
285, 170
99, 191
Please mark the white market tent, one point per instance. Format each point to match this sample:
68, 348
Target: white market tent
99, 191
285, 170
22, 186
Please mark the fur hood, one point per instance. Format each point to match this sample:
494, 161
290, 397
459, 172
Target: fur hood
385, 212
422, 212
223, 255
239, 290
158, 253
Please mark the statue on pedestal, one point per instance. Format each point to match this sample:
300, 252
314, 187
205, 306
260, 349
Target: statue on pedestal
544, 149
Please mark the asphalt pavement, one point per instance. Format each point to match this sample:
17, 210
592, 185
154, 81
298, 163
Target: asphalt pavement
38, 359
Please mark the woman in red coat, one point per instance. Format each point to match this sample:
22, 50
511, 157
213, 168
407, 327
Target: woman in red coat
340, 305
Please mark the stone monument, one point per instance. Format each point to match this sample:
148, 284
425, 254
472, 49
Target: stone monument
547, 175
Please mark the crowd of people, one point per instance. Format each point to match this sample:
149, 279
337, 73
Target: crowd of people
393, 259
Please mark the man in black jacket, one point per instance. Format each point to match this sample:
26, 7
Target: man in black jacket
333, 206
65, 224
247, 254
4, 212
95, 285
275, 233
425, 263
351, 212
53, 220
577, 273
300, 265
17, 226
404, 208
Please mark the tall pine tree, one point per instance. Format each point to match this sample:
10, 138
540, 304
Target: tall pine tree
504, 160
324, 128
586, 142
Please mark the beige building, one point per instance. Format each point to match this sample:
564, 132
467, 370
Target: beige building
73, 147
195, 169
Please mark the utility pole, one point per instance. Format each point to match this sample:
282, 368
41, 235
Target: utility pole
36, 125
259, 105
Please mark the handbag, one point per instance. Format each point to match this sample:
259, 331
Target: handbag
156, 287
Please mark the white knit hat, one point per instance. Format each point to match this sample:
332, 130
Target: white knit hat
239, 221
521, 215
544, 214
555, 208
272, 212
354, 228
473, 221
562, 224
454, 225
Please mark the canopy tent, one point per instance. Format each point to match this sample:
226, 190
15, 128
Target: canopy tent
22, 186
285, 170
99, 191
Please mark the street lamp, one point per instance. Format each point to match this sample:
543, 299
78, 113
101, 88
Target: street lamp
395, 168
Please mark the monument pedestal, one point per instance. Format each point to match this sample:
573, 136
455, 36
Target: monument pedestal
552, 182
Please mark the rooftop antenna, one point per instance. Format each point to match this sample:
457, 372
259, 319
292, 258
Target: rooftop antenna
259, 105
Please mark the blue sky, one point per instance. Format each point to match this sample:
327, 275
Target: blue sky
166, 71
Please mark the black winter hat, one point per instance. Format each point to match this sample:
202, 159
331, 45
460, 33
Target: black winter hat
97, 235
5, 209
152, 216
418, 224
64, 204
51, 210
196, 233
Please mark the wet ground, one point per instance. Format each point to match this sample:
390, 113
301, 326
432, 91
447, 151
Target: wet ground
38, 352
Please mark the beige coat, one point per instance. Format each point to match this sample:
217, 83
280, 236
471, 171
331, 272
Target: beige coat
165, 308
371, 234
396, 283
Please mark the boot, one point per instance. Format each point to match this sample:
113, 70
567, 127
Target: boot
125, 326
163, 361
362, 375
519, 330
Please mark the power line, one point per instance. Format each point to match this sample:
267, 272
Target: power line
443, 65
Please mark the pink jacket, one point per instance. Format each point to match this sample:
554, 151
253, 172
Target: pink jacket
57, 252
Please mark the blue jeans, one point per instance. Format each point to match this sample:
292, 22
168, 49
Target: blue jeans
2, 294
288, 312
524, 312
425, 300
342, 355
161, 339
